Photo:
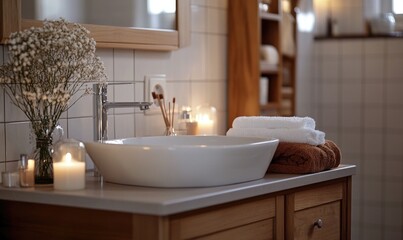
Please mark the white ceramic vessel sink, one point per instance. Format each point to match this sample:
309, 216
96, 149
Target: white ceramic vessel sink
182, 161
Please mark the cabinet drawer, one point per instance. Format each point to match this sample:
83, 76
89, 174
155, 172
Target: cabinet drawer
214, 220
317, 196
262, 230
328, 214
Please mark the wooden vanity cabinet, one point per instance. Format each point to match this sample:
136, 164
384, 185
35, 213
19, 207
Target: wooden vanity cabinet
287, 214
319, 211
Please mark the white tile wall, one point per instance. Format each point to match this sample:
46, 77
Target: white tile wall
2, 144
361, 108
357, 101
196, 74
198, 18
18, 140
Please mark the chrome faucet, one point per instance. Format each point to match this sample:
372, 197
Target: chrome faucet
101, 107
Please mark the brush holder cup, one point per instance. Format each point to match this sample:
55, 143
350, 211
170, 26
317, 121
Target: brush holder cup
169, 131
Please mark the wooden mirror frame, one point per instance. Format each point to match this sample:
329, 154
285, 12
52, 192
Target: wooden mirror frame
109, 36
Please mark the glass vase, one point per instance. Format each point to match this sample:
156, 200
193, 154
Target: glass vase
43, 161
43, 153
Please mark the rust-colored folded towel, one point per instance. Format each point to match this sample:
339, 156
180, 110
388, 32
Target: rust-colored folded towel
299, 158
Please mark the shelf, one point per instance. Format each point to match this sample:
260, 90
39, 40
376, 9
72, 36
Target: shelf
270, 16
249, 29
360, 36
267, 68
287, 92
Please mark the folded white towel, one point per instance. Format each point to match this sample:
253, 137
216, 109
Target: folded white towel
273, 122
294, 135
269, 54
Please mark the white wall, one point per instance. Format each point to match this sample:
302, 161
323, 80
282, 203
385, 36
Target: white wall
360, 107
195, 75
352, 87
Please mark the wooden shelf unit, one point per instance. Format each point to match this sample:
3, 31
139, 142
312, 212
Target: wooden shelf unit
248, 29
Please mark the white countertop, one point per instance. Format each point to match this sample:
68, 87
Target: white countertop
166, 201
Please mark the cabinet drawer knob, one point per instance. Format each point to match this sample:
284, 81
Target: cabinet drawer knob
318, 223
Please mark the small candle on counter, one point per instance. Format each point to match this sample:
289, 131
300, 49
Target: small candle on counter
30, 174
10, 179
27, 174
26, 171
69, 174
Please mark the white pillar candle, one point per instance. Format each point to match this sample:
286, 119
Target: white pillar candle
69, 174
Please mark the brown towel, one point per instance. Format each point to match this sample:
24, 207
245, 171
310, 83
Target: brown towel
299, 158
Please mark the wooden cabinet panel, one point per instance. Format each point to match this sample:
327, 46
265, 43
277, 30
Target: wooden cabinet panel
219, 219
21, 220
262, 230
328, 202
250, 28
328, 214
243, 59
317, 196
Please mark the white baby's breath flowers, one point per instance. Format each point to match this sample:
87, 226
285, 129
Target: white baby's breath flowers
47, 66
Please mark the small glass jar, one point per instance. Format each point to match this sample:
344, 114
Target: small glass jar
187, 125
26, 171
69, 165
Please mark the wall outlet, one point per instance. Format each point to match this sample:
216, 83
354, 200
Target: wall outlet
154, 83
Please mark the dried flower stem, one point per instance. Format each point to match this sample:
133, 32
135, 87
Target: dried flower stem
47, 66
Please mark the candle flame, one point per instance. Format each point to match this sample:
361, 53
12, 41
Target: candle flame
203, 118
31, 164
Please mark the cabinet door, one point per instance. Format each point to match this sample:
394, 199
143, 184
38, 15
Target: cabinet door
321, 222
224, 222
319, 212
262, 230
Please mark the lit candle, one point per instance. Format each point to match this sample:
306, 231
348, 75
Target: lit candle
30, 176
205, 125
26, 171
206, 117
31, 164
69, 174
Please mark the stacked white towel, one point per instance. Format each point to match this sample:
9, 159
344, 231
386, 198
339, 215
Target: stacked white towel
286, 129
273, 122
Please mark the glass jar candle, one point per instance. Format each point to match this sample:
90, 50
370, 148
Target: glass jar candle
26, 171
206, 118
69, 165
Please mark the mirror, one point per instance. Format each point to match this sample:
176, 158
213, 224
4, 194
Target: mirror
156, 14
136, 30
